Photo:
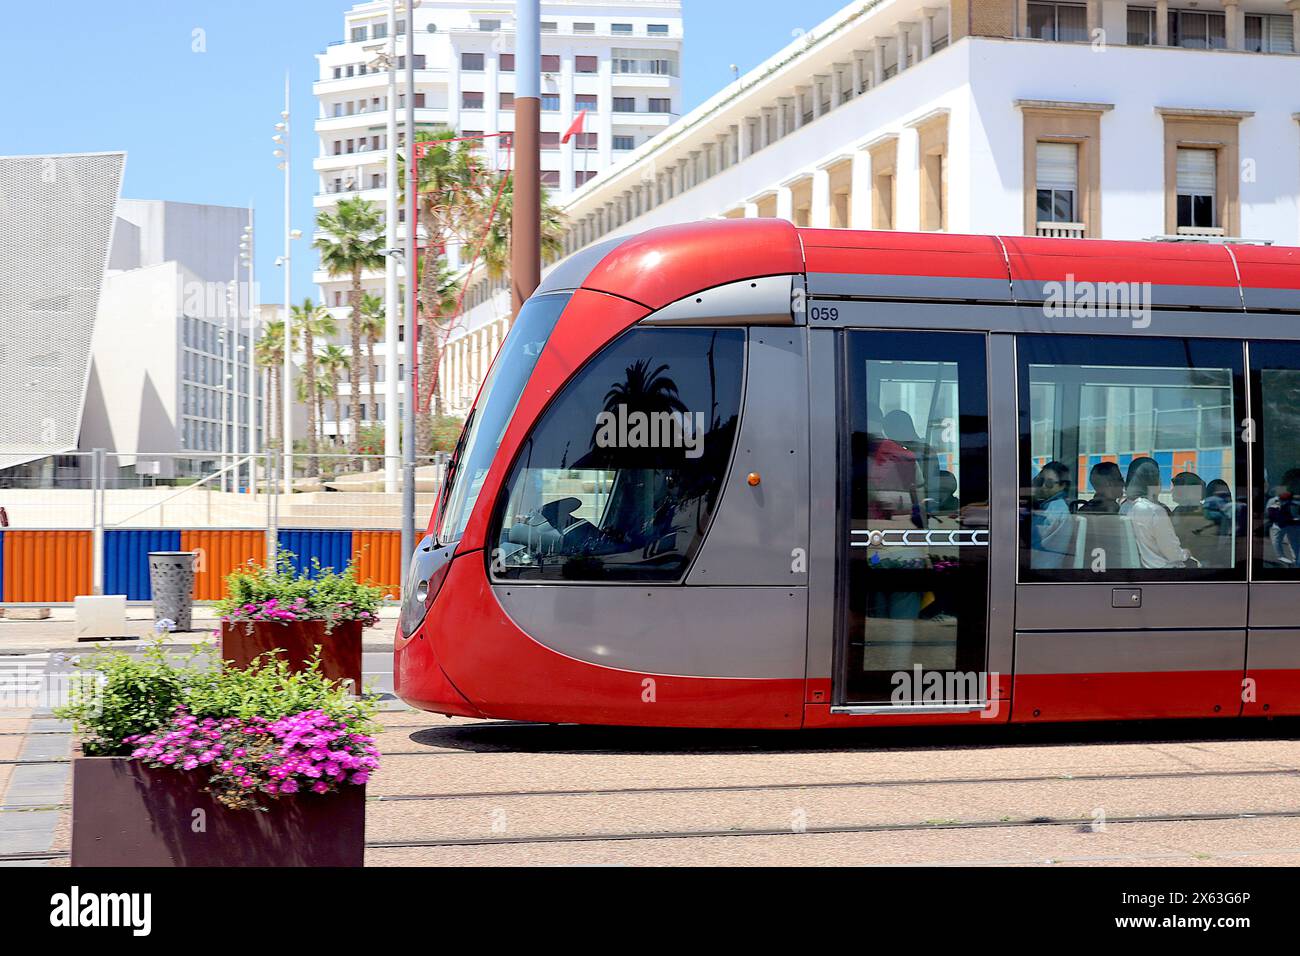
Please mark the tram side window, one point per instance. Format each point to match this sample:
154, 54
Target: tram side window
621, 475
1131, 468
1275, 379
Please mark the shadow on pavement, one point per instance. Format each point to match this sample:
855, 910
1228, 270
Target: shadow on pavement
509, 737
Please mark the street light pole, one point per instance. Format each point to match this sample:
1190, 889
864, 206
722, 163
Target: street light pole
392, 393
412, 281
525, 221
247, 255
286, 398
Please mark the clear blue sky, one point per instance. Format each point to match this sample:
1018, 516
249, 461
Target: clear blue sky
92, 75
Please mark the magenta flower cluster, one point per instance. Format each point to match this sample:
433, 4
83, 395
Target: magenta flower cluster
272, 610
245, 756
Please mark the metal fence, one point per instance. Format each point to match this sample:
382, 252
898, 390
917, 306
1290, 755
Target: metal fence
84, 522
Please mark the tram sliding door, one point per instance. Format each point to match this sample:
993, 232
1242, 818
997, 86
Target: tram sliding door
914, 534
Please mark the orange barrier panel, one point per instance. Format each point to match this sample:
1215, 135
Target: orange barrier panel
379, 558
220, 552
52, 566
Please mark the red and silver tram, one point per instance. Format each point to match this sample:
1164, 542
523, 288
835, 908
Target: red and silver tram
740, 474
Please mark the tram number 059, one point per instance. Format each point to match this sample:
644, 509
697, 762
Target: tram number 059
824, 313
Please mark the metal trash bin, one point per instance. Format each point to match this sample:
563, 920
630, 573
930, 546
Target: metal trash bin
171, 576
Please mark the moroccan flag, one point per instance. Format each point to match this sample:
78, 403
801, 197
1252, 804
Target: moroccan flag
575, 127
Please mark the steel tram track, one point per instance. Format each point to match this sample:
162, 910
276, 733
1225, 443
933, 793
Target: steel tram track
554, 838
780, 787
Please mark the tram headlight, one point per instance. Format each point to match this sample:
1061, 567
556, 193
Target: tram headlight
429, 567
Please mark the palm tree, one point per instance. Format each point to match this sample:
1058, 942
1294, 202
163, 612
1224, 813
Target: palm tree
352, 242
269, 353
440, 298
372, 327
495, 226
315, 410
310, 322
333, 361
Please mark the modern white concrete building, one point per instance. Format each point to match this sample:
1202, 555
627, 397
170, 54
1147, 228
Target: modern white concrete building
169, 358
58, 220
617, 59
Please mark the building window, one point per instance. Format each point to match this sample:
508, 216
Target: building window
1275, 371
648, 62
1124, 441
624, 142
625, 104
550, 102
649, 507
586, 64
550, 140
471, 101
549, 26
585, 101
1141, 26
584, 27
551, 178
585, 141
506, 62
550, 63
358, 34
1063, 22
657, 29
1197, 31
1057, 182
1197, 193
660, 105
507, 101
621, 29
933, 150
378, 31
1270, 34
581, 176
489, 26
471, 62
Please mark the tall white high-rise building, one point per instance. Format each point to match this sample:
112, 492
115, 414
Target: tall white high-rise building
619, 60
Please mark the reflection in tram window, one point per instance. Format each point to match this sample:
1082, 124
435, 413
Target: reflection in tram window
1277, 468
620, 476
1131, 464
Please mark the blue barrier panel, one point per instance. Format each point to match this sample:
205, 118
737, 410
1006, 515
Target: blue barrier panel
332, 548
2, 565
126, 559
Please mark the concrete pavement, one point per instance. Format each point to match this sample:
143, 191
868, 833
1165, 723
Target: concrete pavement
461, 792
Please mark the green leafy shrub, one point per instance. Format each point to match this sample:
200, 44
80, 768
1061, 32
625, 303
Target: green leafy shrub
120, 695
284, 594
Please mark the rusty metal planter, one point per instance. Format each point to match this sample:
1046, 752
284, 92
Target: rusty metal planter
340, 654
125, 813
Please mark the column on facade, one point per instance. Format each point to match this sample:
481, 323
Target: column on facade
837, 83
567, 153
1234, 24
1162, 22
1294, 7
491, 107
819, 82
904, 29
783, 104
860, 201
766, 127
927, 31
878, 62
751, 210
798, 107
819, 217
726, 148
855, 74
744, 139
605, 113
453, 86
785, 202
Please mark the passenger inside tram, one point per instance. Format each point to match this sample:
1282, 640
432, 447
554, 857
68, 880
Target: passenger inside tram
1108, 484
1153, 528
1053, 528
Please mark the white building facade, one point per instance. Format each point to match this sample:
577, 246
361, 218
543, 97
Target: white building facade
1096, 119
619, 60
170, 353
